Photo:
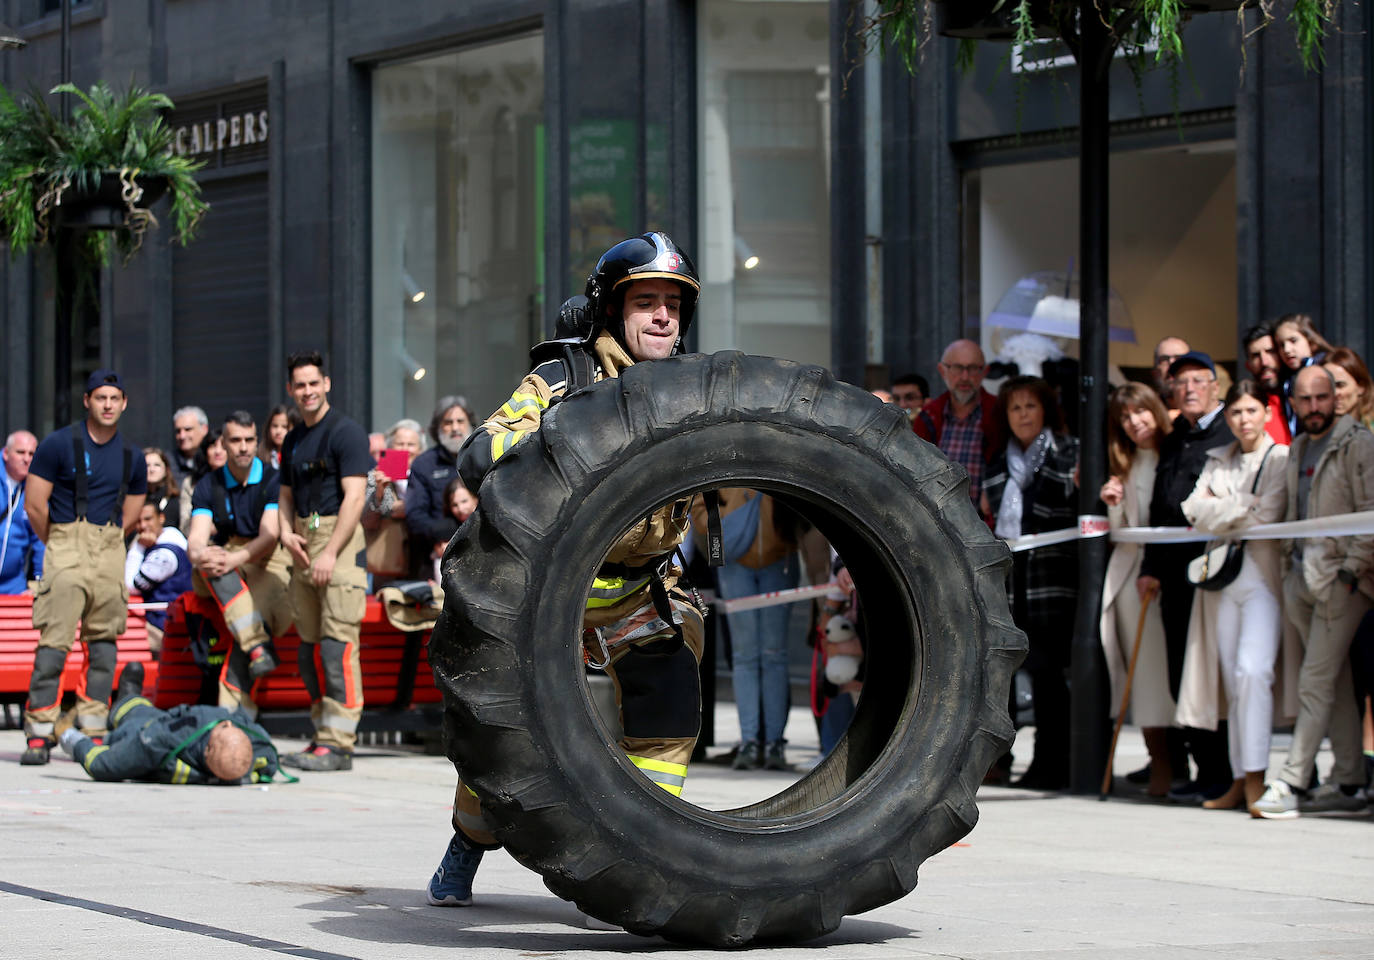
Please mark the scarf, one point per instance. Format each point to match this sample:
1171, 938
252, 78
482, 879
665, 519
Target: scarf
1022, 466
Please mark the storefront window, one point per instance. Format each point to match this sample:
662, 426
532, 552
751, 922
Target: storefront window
765, 195
457, 226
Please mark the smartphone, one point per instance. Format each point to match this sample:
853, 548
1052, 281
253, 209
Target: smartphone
395, 464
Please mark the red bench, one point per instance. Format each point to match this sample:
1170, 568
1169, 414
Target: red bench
396, 674
19, 640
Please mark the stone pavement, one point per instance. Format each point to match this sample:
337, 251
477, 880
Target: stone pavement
333, 867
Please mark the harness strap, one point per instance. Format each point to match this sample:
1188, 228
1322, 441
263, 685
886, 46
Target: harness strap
81, 484
715, 538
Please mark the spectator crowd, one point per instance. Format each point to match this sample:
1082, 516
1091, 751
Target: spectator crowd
265, 518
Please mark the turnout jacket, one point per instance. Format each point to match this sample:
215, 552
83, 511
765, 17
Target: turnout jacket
520, 417
143, 744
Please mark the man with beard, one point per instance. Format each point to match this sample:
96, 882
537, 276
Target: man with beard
429, 523
962, 421
1262, 360
1327, 590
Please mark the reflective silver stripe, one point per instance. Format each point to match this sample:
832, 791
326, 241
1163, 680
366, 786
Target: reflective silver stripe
40, 729
88, 722
338, 721
473, 823
665, 779
240, 625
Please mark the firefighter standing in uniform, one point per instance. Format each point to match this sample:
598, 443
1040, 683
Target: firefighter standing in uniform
84, 491
643, 631
324, 465
238, 560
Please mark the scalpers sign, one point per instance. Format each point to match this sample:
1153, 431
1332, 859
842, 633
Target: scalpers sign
239, 130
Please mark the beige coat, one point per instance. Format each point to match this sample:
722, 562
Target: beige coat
1150, 686
1343, 483
1221, 503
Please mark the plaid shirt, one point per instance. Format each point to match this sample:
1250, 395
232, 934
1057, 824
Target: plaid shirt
962, 442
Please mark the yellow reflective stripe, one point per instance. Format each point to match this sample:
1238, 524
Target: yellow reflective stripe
518, 402
670, 776
469, 790
91, 754
608, 591
502, 442
181, 773
126, 707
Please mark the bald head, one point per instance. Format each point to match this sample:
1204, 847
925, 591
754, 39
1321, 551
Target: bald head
962, 367
228, 753
19, 450
1314, 399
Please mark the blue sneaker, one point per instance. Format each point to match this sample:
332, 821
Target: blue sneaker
451, 885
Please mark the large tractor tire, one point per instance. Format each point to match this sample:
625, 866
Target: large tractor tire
942, 648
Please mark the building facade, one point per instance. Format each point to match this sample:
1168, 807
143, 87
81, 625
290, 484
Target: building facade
414, 188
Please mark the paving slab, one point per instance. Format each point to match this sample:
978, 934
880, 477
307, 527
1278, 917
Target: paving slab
334, 867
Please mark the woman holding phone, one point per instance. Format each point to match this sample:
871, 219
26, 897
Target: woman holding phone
384, 507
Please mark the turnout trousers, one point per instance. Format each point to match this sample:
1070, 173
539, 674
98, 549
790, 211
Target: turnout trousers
658, 695
255, 602
329, 619
83, 583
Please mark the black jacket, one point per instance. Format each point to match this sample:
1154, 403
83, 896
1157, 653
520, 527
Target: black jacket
426, 517
1182, 456
144, 742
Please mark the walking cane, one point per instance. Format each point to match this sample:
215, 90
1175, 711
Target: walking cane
1126, 694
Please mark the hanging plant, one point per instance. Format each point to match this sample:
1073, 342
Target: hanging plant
98, 174
905, 26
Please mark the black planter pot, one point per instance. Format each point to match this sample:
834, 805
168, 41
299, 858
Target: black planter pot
989, 19
103, 207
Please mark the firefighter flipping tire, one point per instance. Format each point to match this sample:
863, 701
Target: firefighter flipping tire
506, 652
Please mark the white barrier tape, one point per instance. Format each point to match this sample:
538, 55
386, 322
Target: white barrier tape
145, 607
776, 598
1339, 525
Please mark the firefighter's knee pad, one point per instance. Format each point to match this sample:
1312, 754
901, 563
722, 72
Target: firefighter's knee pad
47, 674
305, 661
100, 657
333, 657
660, 691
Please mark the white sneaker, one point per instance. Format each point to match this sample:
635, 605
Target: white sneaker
1331, 797
1278, 802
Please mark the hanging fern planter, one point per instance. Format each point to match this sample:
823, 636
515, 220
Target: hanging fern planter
992, 19
98, 174
119, 200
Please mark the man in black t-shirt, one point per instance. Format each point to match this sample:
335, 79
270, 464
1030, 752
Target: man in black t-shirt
324, 465
238, 560
84, 491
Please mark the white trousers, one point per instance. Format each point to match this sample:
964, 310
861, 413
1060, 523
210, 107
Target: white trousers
1249, 629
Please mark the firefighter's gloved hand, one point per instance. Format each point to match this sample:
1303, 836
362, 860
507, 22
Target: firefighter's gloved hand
69, 739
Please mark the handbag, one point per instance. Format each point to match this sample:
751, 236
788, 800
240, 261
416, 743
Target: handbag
1218, 566
740, 527
387, 551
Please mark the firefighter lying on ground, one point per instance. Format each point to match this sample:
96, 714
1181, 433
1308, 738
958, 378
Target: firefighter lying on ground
639, 627
188, 744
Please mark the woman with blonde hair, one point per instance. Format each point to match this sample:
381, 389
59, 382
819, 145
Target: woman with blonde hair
1137, 423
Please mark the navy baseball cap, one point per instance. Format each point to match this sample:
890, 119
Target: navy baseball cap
1193, 358
104, 378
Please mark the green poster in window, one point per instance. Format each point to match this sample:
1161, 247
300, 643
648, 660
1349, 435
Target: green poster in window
601, 157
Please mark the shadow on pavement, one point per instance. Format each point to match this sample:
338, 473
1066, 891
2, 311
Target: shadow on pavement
400, 915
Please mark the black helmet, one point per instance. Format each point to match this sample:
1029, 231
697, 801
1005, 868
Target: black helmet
646, 257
